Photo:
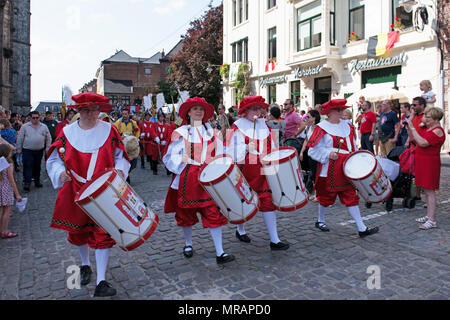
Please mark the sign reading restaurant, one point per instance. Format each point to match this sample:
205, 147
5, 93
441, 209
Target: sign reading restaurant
358, 65
272, 80
311, 71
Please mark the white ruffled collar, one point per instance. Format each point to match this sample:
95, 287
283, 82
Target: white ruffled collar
248, 128
341, 129
87, 141
186, 132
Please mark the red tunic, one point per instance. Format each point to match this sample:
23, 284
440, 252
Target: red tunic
428, 175
160, 131
252, 171
60, 126
67, 215
146, 129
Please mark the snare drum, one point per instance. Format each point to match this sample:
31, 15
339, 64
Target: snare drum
118, 210
226, 184
284, 176
365, 173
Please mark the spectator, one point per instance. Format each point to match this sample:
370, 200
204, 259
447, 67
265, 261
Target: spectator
390, 128
10, 135
223, 120
368, 126
427, 94
8, 190
59, 117
2, 112
405, 109
8, 114
51, 124
276, 123
347, 115
428, 150
313, 119
33, 139
377, 137
294, 126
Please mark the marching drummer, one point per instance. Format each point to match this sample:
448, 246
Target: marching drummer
84, 149
192, 146
330, 144
248, 141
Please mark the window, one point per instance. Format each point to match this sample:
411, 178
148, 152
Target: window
240, 11
271, 3
125, 100
148, 71
240, 51
356, 18
332, 22
272, 44
113, 100
295, 92
399, 12
309, 29
272, 93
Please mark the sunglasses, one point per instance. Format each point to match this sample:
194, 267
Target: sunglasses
35, 118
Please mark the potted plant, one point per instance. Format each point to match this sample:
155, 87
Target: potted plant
225, 70
352, 37
398, 25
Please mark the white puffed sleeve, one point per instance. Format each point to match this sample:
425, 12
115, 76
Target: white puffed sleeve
321, 153
121, 163
55, 167
173, 159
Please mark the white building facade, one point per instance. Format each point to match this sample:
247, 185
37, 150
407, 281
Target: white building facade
300, 49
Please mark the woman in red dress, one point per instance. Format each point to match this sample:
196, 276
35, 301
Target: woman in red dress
428, 160
191, 148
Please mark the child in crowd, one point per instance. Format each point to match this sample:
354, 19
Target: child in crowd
427, 94
8, 189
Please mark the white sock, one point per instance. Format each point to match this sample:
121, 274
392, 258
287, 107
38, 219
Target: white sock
101, 259
188, 236
216, 234
84, 253
322, 211
270, 219
356, 215
241, 229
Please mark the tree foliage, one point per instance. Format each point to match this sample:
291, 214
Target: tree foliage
202, 48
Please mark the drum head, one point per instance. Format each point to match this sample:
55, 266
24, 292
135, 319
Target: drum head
216, 169
95, 185
359, 165
279, 155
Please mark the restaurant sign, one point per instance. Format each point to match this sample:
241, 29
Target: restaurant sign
360, 65
311, 71
272, 80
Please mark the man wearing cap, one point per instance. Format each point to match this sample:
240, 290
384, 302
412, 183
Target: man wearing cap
192, 146
248, 141
83, 150
330, 144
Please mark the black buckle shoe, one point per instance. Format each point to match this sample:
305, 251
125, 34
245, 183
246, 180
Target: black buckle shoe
188, 253
368, 232
224, 258
85, 274
279, 246
244, 238
26, 187
322, 226
104, 289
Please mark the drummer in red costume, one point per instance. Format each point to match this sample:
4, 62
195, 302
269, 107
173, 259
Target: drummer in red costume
192, 146
160, 133
84, 149
145, 127
330, 144
248, 141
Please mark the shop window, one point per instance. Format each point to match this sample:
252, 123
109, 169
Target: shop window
295, 92
400, 12
384, 75
356, 18
240, 51
272, 93
272, 45
125, 100
113, 100
309, 26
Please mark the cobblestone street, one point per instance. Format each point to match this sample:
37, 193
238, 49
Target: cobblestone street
414, 264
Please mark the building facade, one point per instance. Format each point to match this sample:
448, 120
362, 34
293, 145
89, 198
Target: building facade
302, 49
15, 77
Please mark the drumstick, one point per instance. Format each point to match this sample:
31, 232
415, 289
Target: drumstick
63, 151
254, 126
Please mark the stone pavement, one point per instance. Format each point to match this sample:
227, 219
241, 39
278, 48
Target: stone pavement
413, 264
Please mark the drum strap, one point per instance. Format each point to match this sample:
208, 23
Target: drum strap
91, 169
340, 151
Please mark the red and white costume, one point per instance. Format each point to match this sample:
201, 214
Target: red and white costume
186, 196
160, 134
87, 153
330, 181
60, 126
249, 161
146, 136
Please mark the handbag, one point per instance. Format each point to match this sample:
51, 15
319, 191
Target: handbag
407, 161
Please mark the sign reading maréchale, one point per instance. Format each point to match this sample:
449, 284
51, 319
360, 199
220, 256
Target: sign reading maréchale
311, 71
358, 65
266, 81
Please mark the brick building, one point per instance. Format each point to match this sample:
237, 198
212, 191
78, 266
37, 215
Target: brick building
127, 80
15, 76
91, 86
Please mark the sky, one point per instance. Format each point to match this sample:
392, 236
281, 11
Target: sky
70, 38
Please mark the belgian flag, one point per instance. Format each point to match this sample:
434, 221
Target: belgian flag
382, 43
